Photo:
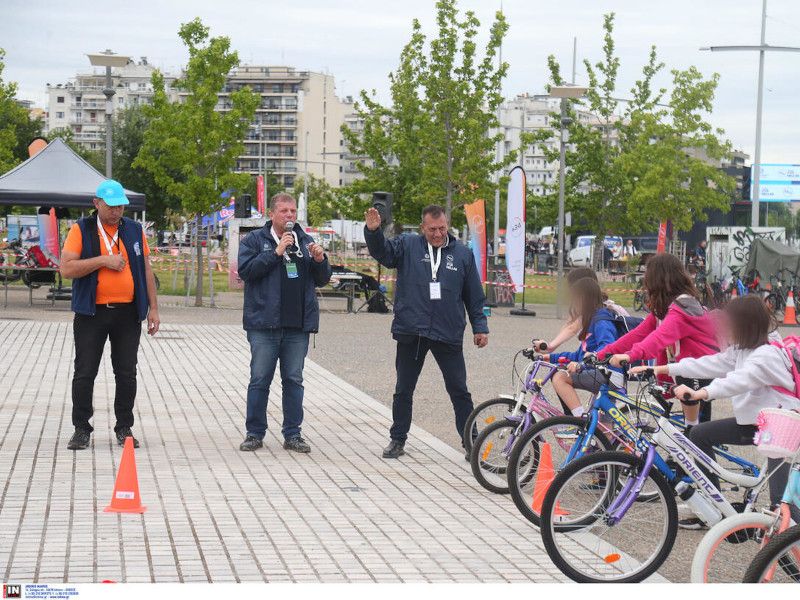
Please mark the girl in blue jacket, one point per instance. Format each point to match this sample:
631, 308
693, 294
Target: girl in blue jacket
598, 329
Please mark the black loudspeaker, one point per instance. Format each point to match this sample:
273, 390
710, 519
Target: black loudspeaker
382, 202
242, 206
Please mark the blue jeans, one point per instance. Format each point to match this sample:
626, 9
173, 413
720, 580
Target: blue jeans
266, 347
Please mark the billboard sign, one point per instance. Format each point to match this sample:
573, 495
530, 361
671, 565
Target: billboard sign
779, 183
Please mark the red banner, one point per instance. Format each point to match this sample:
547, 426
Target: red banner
260, 200
664, 236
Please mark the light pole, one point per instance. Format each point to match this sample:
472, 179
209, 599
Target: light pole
564, 92
108, 59
761, 48
303, 210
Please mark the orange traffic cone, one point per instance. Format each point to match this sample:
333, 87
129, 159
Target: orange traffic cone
789, 315
126, 497
544, 477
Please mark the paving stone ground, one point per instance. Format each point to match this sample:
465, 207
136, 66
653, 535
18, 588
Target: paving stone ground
218, 515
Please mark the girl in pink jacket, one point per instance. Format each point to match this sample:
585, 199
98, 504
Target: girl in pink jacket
677, 327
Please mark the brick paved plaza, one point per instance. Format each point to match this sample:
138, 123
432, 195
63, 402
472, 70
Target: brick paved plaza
216, 514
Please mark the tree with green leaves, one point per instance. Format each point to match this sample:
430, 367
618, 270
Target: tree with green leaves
129, 127
324, 202
13, 117
656, 158
189, 147
433, 143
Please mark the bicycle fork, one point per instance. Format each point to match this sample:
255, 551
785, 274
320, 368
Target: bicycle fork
630, 491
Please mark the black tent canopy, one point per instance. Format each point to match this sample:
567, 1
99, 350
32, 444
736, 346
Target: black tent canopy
56, 176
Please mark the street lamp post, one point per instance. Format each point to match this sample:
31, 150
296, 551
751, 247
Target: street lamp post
108, 59
564, 92
761, 48
305, 182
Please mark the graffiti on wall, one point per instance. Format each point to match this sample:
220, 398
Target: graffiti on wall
729, 247
503, 294
743, 240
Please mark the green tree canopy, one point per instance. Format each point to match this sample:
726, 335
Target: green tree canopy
655, 159
129, 127
17, 129
433, 143
190, 148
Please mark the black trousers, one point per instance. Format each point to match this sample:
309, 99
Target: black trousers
122, 327
411, 352
727, 431
696, 384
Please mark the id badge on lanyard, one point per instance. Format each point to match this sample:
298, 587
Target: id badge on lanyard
435, 286
291, 270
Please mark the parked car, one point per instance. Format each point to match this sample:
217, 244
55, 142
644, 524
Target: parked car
581, 254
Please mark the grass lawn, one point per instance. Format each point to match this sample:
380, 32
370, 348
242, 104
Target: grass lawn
171, 276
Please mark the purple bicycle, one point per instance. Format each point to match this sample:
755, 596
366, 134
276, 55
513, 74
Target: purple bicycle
494, 444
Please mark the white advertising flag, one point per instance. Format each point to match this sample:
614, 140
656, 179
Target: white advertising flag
515, 227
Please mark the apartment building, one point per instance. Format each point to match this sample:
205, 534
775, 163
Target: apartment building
80, 105
297, 124
529, 112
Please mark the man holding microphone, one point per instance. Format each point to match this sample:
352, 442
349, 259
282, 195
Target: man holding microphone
281, 266
436, 280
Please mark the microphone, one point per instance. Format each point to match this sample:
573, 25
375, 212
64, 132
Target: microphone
289, 227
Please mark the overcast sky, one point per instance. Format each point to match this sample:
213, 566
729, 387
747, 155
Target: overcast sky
359, 41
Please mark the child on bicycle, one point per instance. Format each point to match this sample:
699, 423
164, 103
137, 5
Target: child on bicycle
745, 372
677, 327
597, 330
572, 327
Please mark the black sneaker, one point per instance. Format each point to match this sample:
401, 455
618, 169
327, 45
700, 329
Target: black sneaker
250, 444
79, 440
395, 449
692, 523
297, 444
126, 432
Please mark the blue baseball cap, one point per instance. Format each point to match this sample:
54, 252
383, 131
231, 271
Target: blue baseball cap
112, 193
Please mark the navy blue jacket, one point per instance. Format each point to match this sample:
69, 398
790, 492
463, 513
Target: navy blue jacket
84, 289
259, 268
414, 312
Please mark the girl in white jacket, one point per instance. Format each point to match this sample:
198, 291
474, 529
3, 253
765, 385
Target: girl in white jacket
745, 372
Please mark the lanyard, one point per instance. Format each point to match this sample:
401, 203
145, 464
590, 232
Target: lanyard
298, 253
434, 262
109, 243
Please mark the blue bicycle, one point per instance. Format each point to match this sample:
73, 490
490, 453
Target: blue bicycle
559, 434
612, 516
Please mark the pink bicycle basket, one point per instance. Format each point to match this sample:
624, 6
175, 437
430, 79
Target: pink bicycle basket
778, 433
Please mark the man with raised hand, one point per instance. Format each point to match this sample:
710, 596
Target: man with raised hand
436, 281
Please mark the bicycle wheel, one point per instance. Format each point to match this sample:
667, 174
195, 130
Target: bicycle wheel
485, 414
489, 455
773, 303
778, 561
525, 483
729, 547
576, 531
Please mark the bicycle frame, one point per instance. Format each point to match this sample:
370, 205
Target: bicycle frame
679, 448
538, 404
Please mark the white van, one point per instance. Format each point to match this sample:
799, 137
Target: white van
581, 254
